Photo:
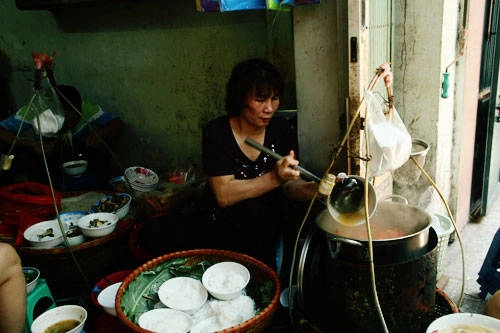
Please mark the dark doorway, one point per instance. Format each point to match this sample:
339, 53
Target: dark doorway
486, 166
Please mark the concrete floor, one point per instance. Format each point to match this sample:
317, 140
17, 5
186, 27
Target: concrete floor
476, 238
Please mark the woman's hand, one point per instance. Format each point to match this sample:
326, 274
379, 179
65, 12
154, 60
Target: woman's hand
285, 168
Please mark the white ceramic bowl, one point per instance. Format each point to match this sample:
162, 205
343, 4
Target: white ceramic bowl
71, 218
75, 168
226, 280
165, 320
469, 320
32, 275
98, 224
107, 298
59, 314
74, 235
183, 293
118, 203
35, 234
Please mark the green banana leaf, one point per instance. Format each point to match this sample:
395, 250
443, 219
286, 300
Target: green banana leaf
141, 294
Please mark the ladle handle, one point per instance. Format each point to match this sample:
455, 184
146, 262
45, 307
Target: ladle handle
277, 156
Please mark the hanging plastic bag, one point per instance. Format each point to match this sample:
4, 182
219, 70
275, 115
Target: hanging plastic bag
45, 112
389, 143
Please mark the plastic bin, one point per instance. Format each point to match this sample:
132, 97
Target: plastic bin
444, 228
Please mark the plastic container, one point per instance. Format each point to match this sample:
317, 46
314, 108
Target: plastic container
409, 173
444, 228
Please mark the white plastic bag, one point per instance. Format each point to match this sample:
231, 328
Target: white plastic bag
389, 143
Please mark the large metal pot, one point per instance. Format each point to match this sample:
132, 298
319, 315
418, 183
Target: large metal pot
336, 294
400, 233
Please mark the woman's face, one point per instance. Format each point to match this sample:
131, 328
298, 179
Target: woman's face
260, 110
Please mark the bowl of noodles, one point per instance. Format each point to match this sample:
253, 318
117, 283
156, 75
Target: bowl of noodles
464, 323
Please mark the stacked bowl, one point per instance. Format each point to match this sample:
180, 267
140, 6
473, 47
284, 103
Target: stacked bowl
141, 179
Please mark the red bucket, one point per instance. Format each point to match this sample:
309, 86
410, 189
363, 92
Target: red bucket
105, 322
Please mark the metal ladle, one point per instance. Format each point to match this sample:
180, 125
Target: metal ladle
346, 201
277, 156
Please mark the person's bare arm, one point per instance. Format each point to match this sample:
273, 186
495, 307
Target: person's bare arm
12, 291
229, 191
8, 137
300, 189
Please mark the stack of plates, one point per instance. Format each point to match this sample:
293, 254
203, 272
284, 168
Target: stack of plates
142, 179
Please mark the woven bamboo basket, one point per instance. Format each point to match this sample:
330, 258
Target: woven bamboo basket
96, 258
258, 271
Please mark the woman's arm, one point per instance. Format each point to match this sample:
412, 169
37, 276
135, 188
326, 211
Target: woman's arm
300, 189
229, 191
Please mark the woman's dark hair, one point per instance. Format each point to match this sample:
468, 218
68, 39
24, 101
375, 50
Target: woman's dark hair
70, 98
257, 75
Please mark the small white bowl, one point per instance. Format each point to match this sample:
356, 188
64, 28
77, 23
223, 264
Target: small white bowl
165, 320
107, 298
226, 280
98, 224
183, 293
32, 276
75, 168
469, 320
60, 314
34, 234
118, 203
74, 235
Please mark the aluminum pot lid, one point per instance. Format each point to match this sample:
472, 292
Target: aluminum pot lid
390, 221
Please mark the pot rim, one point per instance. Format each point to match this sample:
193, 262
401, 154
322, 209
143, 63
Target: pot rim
332, 228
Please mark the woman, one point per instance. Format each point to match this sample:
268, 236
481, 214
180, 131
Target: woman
246, 186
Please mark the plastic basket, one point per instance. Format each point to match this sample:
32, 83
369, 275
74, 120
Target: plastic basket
443, 227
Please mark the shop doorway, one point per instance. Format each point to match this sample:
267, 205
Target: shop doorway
486, 165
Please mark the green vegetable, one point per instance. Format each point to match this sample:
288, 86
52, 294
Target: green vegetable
261, 293
195, 272
141, 294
